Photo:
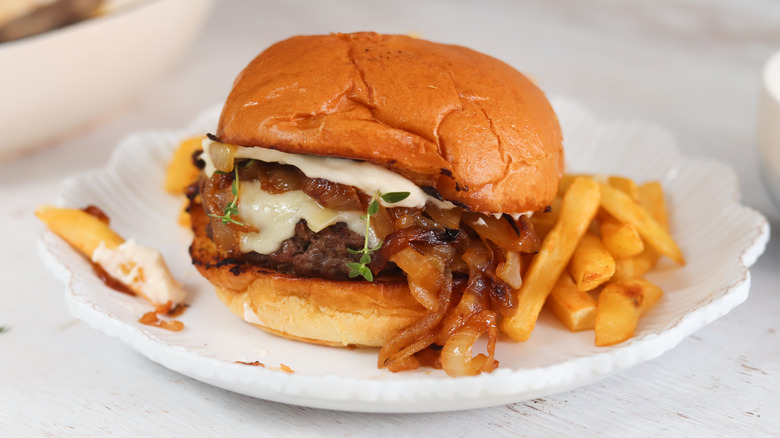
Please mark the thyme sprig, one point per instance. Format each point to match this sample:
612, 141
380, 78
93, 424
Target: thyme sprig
232, 208
361, 268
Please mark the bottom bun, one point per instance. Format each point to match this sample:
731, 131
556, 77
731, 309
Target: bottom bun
326, 312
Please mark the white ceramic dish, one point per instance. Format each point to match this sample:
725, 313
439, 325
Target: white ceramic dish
56, 81
720, 239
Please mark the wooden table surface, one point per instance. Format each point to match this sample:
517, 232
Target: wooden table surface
691, 66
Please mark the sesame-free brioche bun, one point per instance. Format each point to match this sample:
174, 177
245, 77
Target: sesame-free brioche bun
327, 312
445, 116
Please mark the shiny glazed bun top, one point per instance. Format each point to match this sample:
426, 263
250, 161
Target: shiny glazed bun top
444, 116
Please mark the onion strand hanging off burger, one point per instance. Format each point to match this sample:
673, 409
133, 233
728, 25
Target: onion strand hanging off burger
293, 223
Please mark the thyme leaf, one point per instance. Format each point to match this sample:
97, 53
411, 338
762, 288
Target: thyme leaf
393, 197
232, 208
362, 269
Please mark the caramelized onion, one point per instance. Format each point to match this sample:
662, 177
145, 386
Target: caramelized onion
424, 296
216, 194
381, 223
440, 256
509, 270
403, 238
501, 297
277, 178
223, 156
478, 257
482, 263
398, 347
406, 218
332, 195
473, 301
424, 278
405, 364
404, 360
430, 356
530, 240
517, 236
448, 217
457, 358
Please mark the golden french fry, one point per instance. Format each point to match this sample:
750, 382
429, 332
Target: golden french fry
619, 307
591, 264
80, 229
574, 308
634, 267
620, 205
139, 268
651, 197
621, 240
579, 207
625, 185
181, 171
566, 180
569, 178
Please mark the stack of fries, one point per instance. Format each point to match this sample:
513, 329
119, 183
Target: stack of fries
601, 236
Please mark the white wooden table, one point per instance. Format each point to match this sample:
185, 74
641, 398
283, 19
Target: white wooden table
689, 65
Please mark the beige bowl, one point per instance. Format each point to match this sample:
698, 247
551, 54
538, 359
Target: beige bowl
58, 80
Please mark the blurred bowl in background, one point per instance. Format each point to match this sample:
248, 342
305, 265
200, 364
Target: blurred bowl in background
768, 126
59, 80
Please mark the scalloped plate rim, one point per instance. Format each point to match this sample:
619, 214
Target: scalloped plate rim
472, 392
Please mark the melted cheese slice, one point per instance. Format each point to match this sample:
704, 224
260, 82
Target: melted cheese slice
276, 215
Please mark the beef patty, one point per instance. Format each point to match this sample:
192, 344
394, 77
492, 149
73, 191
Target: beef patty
308, 254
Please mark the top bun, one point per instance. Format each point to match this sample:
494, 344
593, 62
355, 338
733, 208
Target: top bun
444, 116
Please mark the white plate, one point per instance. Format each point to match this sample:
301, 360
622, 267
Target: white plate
719, 237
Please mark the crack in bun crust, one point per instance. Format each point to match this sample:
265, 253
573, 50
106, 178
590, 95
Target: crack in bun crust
446, 116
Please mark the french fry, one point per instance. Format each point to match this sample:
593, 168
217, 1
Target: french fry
181, 171
620, 305
621, 240
634, 267
651, 198
579, 207
574, 308
566, 180
625, 185
146, 275
620, 205
591, 264
569, 178
80, 229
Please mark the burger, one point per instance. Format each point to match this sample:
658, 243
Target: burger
374, 190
